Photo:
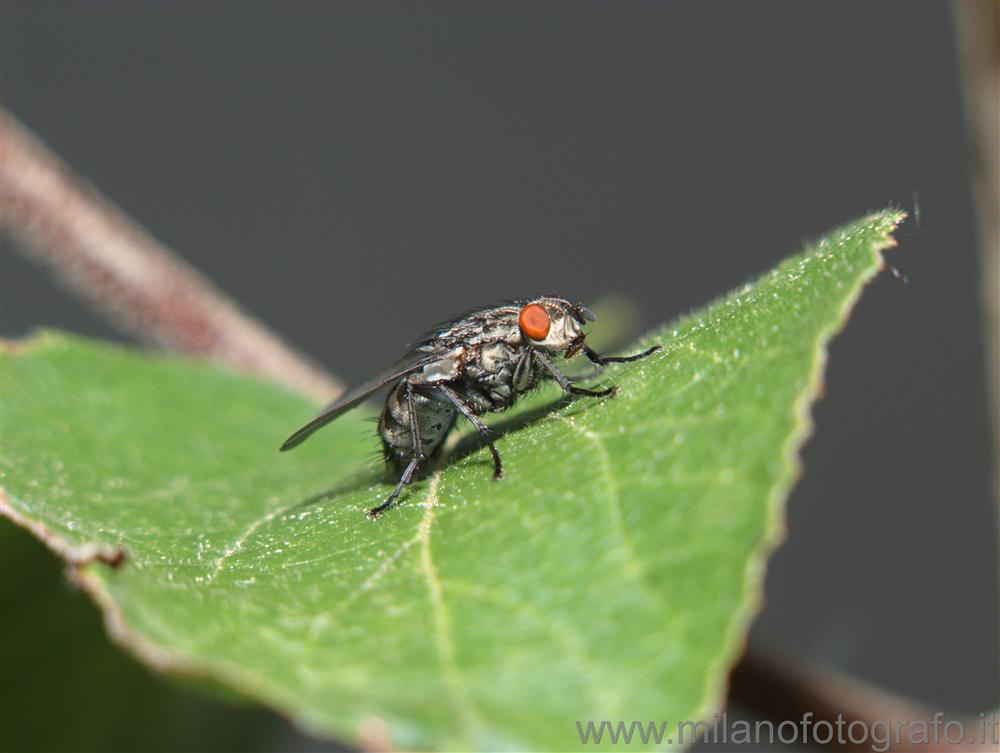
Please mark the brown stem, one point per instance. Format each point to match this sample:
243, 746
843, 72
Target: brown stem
781, 689
977, 24
110, 261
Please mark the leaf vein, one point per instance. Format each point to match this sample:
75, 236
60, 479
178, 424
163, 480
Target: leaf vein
444, 640
633, 565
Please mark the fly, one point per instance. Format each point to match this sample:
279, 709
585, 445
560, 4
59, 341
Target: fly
478, 363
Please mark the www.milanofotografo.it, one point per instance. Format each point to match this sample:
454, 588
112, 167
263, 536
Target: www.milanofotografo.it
878, 735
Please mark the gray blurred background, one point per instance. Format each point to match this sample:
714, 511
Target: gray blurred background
354, 173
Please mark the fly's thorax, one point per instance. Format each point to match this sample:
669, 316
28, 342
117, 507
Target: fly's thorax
503, 330
495, 357
489, 326
490, 376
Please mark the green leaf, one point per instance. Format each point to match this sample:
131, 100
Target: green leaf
611, 574
47, 628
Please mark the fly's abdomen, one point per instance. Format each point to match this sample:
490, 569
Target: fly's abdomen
435, 419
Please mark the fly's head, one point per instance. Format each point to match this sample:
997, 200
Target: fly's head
554, 325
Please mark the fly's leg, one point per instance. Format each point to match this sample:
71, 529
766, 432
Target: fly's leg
602, 360
484, 431
567, 385
411, 468
522, 372
407, 476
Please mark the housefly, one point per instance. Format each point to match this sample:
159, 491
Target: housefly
477, 363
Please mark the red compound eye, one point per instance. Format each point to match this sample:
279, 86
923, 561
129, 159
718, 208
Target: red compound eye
534, 321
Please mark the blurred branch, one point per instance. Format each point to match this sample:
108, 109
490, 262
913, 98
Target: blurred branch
111, 262
781, 689
978, 28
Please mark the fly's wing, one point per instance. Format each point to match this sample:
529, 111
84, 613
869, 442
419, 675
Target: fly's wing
353, 398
